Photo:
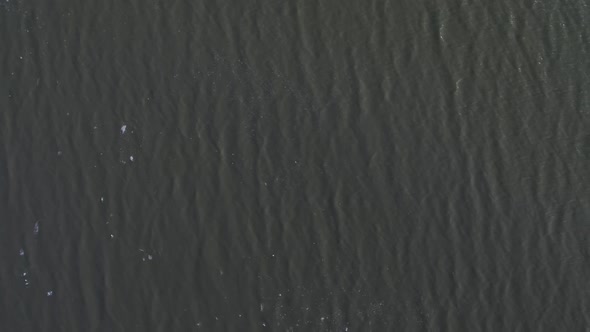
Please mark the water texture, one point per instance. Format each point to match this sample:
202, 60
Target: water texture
301, 165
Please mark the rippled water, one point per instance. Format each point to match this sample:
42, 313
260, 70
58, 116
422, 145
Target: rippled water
302, 165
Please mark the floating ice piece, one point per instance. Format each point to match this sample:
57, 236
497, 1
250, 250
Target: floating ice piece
123, 128
50, 293
21, 252
112, 236
102, 199
150, 257
131, 158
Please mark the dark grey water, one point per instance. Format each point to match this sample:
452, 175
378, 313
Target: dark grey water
294, 165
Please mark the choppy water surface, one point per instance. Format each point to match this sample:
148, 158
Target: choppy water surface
294, 165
